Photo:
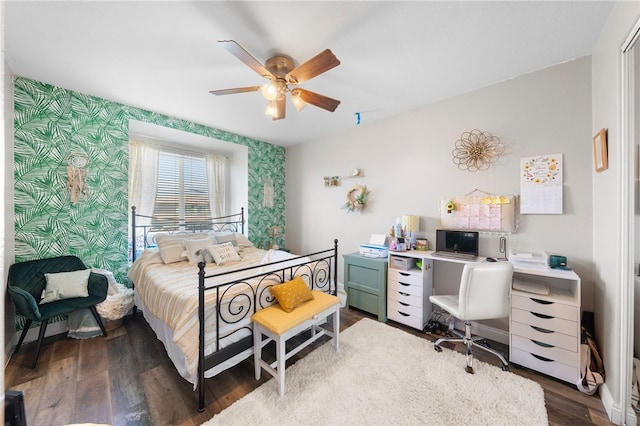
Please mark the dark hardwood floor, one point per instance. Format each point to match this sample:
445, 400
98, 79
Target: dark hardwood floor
127, 379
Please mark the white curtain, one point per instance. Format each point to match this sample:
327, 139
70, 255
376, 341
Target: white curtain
143, 178
216, 177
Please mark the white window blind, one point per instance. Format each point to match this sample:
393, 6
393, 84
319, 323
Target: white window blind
182, 191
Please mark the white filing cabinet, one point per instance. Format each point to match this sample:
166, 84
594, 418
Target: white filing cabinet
544, 329
409, 287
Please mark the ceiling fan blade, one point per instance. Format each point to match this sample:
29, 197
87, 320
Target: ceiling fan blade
320, 63
281, 105
238, 51
236, 90
320, 101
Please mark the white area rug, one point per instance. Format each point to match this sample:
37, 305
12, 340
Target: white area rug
385, 376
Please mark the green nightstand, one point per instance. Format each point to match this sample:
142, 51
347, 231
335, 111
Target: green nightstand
365, 281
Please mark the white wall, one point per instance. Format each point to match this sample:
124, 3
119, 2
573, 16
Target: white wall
606, 72
408, 167
6, 209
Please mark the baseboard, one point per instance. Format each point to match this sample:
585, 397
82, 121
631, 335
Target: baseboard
57, 327
612, 409
488, 332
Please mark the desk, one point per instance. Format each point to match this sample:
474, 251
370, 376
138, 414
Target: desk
544, 329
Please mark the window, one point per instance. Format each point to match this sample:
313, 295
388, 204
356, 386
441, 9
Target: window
182, 190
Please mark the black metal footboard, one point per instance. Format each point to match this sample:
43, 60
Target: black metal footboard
239, 298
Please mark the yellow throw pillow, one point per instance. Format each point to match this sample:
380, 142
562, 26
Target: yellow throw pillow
291, 293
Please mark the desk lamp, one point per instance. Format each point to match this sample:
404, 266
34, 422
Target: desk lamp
411, 225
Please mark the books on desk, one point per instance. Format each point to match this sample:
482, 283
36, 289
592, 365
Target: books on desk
530, 260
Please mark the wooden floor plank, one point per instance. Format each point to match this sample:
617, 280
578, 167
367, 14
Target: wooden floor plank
127, 379
93, 400
167, 406
58, 400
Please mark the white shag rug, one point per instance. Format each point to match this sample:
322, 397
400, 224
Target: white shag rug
386, 376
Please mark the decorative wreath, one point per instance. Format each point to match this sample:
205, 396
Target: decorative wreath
476, 150
356, 198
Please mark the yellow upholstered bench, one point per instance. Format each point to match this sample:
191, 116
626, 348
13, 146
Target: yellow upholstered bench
280, 326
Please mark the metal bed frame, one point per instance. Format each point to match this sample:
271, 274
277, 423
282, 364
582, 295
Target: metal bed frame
319, 270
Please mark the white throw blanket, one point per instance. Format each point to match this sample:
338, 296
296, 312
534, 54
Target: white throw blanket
119, 301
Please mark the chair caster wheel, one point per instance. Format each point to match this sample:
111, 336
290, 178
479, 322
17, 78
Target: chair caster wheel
437, 348
505, 368
468, 369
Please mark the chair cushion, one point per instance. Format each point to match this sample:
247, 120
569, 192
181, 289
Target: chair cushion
448, 302
276, 320
66, 285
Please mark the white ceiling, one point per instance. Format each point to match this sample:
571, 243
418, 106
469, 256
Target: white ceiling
395, 56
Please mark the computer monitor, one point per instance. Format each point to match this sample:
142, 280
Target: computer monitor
459, 242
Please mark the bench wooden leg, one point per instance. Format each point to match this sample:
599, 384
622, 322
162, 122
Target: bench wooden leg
257, 350
281, 344
336, 329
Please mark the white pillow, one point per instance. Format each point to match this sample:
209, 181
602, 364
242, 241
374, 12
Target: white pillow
225, 237
223, 253
196, 249
243, 241
66, 285
172, 246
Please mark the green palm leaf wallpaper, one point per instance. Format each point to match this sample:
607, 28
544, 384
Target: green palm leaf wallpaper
52, 123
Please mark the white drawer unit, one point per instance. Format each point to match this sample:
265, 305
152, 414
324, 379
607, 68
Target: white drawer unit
408, 290
544, 330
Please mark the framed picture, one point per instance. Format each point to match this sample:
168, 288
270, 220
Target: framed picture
600, 160
421, 244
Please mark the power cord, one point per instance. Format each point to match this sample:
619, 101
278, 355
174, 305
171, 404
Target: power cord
438, 323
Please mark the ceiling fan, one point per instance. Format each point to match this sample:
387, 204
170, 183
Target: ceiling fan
282, 74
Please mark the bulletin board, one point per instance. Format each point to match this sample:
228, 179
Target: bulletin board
480, 211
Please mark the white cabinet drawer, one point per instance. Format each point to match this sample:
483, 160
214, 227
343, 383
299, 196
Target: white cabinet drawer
553, 368
402, 287
404, 318
548, 337
550, 352
405, 307
556, 310
414, 278
564, 326
406, 298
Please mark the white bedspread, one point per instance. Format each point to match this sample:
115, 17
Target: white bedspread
170, 293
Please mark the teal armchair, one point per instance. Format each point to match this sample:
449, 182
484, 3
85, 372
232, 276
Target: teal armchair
26, 282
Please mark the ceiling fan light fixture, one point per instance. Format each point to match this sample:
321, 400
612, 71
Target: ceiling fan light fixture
270, 91
272, 109
297, 100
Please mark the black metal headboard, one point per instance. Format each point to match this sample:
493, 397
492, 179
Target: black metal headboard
232, 222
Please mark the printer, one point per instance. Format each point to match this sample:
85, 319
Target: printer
377, 246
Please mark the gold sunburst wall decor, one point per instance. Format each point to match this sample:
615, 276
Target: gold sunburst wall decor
476, 150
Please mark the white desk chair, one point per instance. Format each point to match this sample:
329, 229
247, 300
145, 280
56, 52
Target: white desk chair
484, 294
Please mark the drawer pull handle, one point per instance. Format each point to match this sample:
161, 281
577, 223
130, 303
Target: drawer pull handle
541, 330
542, 302
404, 304
404, 294
543, 316
544, 345
404, 284
402, 313
405, 274
541, 358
